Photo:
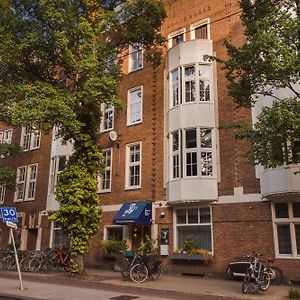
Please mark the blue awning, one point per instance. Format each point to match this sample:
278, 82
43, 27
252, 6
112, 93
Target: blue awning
134, 213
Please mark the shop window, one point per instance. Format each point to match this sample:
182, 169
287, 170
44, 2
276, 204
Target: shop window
286, 219
194, 223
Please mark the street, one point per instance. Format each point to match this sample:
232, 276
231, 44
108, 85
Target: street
56, 289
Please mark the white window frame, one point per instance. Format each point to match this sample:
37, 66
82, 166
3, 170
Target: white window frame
133, 164
55, 171
136, 57
107, 227
174, 34
30, 139
291, 221
199, 150
131, 101
107, 109
175, 98
7, 138
189, 79
195, 25
21, 180
1, 136
108, 168
205, 76
31, 180
175, 224
2, 193
27, 181
176, 154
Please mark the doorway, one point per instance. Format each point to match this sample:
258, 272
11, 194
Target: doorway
138, 234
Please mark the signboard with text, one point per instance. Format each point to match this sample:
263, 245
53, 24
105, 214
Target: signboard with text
9, 214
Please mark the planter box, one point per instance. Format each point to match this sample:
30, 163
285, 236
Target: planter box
185, 256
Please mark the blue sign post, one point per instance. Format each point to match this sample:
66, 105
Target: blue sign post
10, 217
9, 214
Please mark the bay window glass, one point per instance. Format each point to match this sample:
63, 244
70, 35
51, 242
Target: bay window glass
175, 92
191, 83
195, 153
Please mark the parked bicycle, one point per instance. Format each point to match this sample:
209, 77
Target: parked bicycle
257, 275
148, 266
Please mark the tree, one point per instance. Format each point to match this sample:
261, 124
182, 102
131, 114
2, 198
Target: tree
267, 66
59, 61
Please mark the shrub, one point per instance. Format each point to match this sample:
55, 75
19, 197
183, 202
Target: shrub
294, 294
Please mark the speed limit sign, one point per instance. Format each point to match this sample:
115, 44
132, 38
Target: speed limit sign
9, 214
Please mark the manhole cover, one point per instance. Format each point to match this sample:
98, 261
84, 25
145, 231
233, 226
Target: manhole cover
124, 297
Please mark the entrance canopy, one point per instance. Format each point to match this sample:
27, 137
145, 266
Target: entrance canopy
134, 213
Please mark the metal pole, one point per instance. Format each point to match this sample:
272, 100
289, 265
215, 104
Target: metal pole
17, 259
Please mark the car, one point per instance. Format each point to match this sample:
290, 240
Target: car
237, 269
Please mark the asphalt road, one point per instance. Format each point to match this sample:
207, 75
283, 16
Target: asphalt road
39, 288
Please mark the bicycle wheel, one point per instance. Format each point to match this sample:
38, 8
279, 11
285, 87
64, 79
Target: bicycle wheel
138, 273
125, 269
35, 264
157, 272
275, 275
67, 265
264, 281
246, 283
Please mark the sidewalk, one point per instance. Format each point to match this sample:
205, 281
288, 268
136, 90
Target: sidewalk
180, 284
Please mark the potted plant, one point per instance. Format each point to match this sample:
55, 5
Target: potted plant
112, 249
190, 251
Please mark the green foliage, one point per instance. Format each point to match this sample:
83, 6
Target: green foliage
294, 294
112, 248
148, 246
8, 176
269, 60
276, 134
59, 61
188, 245
267, 67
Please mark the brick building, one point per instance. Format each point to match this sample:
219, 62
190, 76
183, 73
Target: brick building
169, 168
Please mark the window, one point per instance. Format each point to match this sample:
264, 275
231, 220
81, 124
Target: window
134, 106
191, 152
108, 117
59, 237
2, 193
105, 179
200, 30
30, 138
32, 173
286, 218
175, 154
133, 163
26, 183
135, 57
21, 177
195, 153
58, 164
175, 91
194, 223
113, 233
6, 136
189, 84
176, 38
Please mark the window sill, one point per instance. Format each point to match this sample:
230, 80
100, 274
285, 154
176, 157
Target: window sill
185, 256
135, 70
132, 188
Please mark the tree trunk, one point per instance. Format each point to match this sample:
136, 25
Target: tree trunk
77, 266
